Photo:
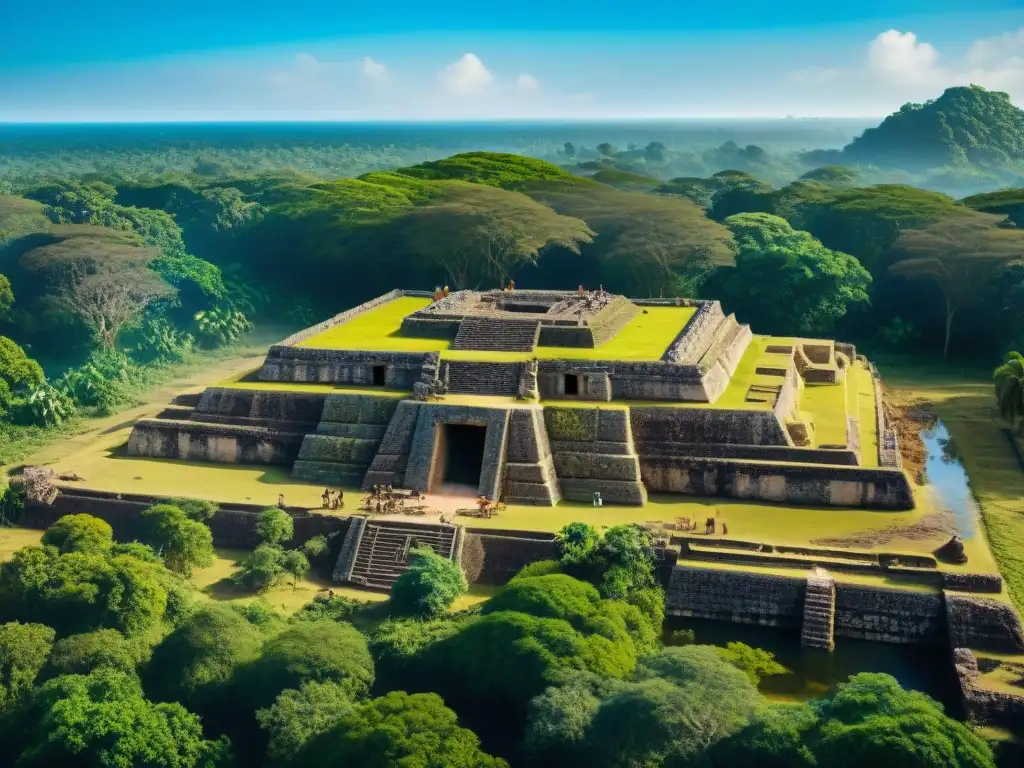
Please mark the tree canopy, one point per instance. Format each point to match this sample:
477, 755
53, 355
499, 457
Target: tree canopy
429, 586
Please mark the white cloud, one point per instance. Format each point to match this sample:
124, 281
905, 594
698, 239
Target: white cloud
374, 70
466, 76
899, 66
527, 83
901, 55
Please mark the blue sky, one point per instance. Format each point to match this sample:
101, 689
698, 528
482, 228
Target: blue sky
114, 60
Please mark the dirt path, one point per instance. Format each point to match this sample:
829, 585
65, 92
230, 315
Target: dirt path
156, 400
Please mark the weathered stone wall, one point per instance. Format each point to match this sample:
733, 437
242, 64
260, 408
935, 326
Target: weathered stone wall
983, 623
742, 598
664, 429
529, 467
889, 615
233, 527
1000, 709
225, 443
489, 558
333, 366
787, 483
261, 408
593, 452
695, 337
346, 439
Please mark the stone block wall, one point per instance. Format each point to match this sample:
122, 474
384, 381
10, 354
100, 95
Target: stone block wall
695, 337
658, 430
983, 623
346, 439
889, 615
1000, 709
529, 468
593, 452
784, 483
250, 407
224, 443
333, 366
490, 558
735, 596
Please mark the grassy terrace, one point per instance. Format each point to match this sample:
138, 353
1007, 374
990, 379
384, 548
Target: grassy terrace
645, 337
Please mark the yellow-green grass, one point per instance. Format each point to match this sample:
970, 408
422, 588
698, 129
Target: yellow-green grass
377, 329
645, 337
827, 405
867, 409
965, 403
13, 539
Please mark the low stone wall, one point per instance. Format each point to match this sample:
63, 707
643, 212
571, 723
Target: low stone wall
233, 527
735, 596
973, 582
889, 615
983, 623
253, 407
491, 558
1000, 709
656, 429
335, 366
784, 483
225, 443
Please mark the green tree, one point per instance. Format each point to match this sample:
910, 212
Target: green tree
775, 738
101, 276
196, 663
397, 646
333, 608
1009, 378
102, 721
788, 280
18, 373
577, 543
6, 297
184, 544
559, 719
556, 596
268, 565
200, 510
275, 526
322, 651
84, 653
299, 714
429, 586
755, 663
82, 591
871, 720
961, 256
398, 729
24, 649
80, 533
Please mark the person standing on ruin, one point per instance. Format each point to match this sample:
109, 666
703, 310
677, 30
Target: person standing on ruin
326, 496
445, 292
280, 501
580, 291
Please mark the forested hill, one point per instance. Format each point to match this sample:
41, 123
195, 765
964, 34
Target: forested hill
965, 126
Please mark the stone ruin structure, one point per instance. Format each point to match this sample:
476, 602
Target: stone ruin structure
515, 397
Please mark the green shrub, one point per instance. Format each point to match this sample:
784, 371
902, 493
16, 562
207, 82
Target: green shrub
200, 510
430, 585
80, 533
222, 325
275, 526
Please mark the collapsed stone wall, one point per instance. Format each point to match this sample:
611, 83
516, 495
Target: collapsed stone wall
489, 558
593, 452
233, 526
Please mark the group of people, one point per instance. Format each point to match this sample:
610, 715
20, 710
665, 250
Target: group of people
333, 499
686, 525
384, 500
440, 293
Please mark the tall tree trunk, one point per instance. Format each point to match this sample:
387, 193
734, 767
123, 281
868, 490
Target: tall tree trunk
950, 311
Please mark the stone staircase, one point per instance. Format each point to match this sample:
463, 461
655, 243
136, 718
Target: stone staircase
497, 334
496, 379
818, 630
376, 552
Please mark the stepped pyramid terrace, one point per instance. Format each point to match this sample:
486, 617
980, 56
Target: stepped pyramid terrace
534, 397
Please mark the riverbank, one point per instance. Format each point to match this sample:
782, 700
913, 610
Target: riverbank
963, 399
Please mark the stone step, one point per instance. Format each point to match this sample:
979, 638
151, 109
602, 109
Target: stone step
497, 379
497, 334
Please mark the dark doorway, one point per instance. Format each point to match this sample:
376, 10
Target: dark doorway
465, 453
380, 373
572, 384
533, 309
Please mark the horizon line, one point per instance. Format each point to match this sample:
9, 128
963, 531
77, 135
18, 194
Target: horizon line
425, 120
